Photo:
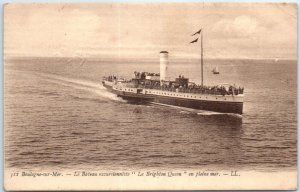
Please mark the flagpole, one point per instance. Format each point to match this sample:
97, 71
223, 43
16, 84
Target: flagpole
202, 58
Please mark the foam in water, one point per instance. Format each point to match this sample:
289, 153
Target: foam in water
83, 85
100, 90
212, 113
185, 112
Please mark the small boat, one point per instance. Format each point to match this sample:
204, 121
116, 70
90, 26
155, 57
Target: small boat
215, 70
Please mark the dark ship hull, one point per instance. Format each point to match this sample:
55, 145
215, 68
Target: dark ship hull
207, 102
217, 106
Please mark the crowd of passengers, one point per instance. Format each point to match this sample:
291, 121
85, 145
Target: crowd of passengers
175, 87
110, 78
193, 88
142, 75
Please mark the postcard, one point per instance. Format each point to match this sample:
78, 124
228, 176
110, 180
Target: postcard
150, 96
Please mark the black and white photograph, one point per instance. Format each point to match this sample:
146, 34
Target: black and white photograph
150, 96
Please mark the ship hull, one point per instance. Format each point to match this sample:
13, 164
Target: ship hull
217, 106
134, 97
208, 105
109, 88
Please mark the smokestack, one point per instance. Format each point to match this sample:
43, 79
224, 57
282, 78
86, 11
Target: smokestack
163, 57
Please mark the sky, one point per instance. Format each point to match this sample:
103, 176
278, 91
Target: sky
236, 30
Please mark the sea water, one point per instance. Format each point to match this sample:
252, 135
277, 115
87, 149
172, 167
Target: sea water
58, 115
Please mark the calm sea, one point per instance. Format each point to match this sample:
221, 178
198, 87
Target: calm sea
58, 115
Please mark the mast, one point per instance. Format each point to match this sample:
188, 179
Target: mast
202, 58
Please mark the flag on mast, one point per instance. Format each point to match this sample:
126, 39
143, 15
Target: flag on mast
198, 32
194, 41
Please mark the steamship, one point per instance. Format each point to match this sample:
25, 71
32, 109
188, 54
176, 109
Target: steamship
158, 88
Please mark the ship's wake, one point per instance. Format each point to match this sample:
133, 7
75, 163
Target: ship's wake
211, 113
96, 88
100, 90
